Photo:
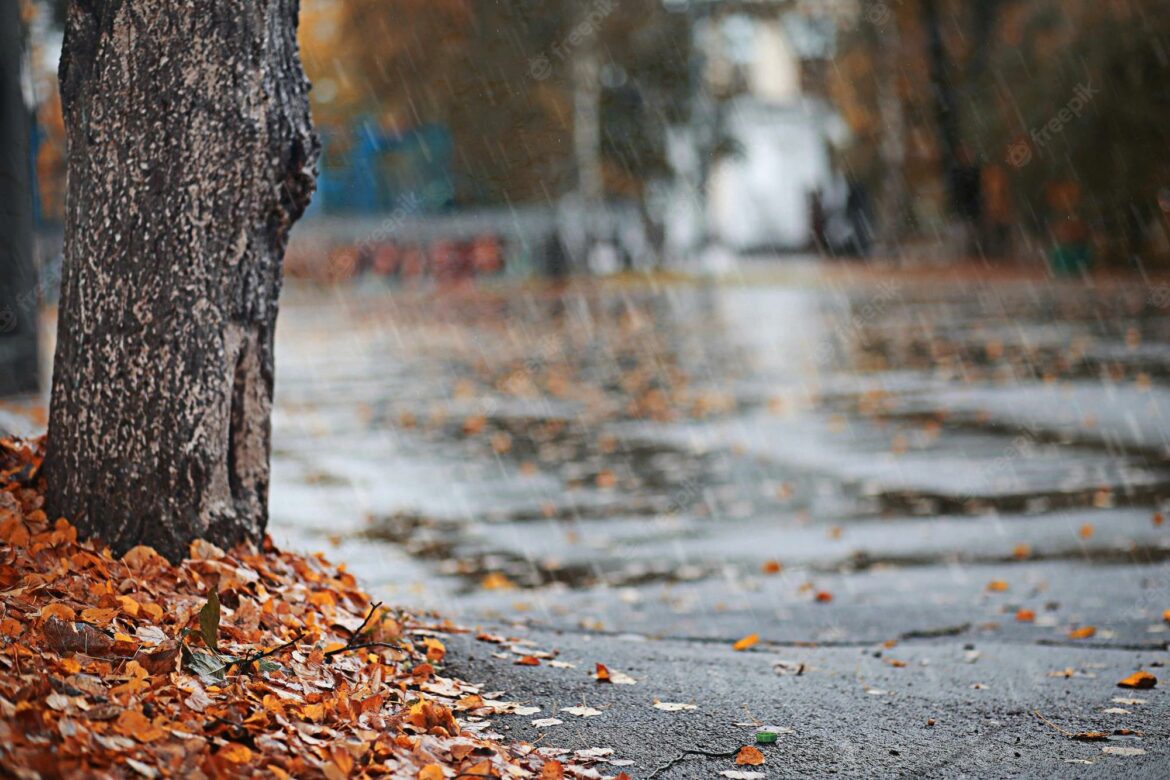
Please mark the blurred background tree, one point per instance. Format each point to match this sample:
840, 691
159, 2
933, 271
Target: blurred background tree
496, 77
954, 109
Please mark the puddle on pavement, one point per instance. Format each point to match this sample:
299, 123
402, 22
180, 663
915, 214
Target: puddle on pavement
708, 415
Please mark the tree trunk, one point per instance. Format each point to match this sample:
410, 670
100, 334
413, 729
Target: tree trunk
190, 155
19, 372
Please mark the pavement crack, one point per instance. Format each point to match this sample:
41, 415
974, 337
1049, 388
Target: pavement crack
686, 753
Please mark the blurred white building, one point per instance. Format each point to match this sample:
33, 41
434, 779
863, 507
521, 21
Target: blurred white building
768, 144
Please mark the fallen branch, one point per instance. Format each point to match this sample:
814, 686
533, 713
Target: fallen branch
267, 654
353, 644
361, 646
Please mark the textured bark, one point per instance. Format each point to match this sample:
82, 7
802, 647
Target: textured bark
18, 280
190, 155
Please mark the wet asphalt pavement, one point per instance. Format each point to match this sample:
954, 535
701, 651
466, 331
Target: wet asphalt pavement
936, 504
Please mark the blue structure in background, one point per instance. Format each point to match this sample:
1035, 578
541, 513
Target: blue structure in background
367, 170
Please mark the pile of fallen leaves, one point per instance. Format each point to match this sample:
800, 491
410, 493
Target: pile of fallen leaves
253, 661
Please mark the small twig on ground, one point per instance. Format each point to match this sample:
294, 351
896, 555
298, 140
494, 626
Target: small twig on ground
267, 654
366, 622
1047, 722
362, 646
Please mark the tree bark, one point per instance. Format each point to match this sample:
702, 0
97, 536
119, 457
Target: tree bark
190, 155
19, 370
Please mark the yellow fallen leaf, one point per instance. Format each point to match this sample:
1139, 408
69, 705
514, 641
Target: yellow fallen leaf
746, 642
435, 649
235, 753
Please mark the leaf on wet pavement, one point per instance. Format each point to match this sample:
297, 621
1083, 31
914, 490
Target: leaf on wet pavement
1116, 750
748, 641
1090, 736
582, 711
1140, 680
749, 756
604, 674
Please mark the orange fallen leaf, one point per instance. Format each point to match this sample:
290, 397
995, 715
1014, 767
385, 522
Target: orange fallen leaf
552, 770
482, 769
602, 674
749, 756
59, 611
1090, 736
997, 586
1084, 632
1158, 519
1141, 680
97, 616
1025, 616
771, 567
132, 723
1021, 552
824, 597
431, 772
496, 581
1085, 531
528, 660
343, 760
235, 753
746, 642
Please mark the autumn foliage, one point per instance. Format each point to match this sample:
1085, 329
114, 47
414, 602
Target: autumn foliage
240, 663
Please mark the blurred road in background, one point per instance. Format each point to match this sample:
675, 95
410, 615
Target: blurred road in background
936, 504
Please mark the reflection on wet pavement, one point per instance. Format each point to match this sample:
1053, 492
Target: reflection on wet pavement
588, 451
